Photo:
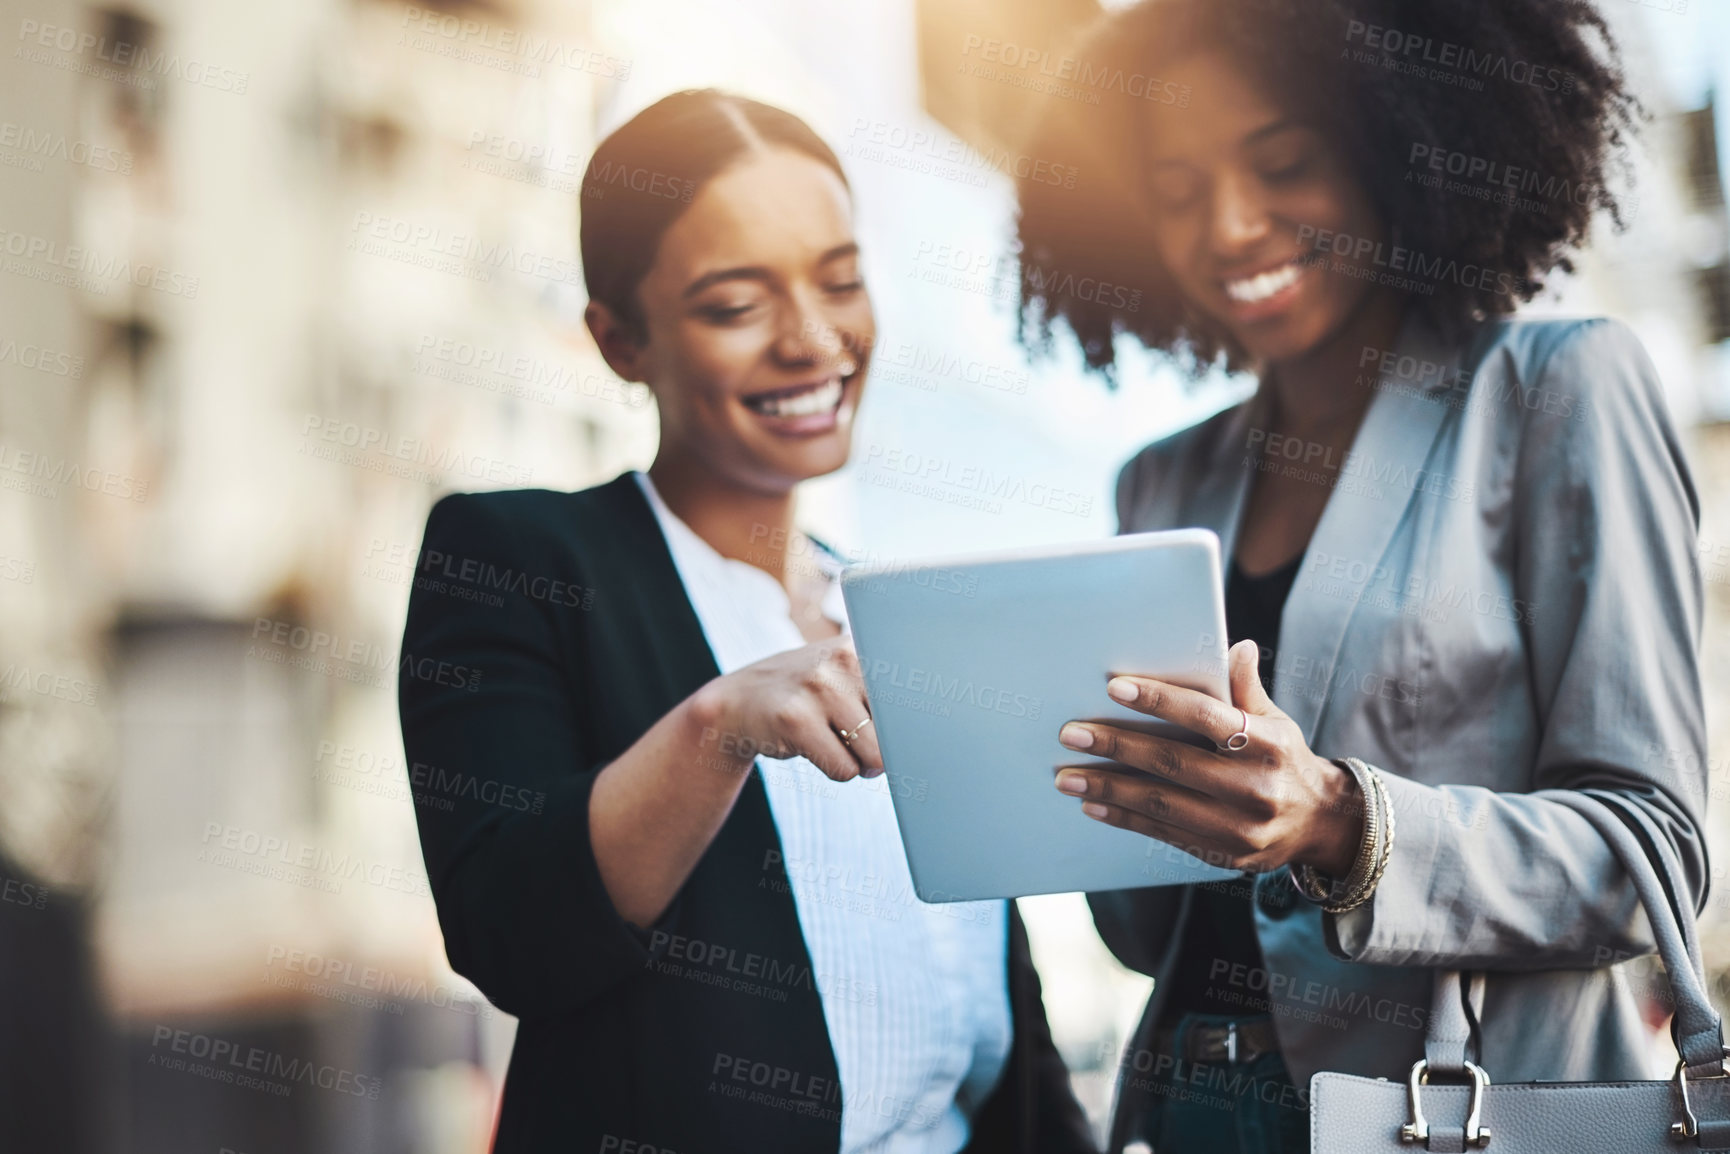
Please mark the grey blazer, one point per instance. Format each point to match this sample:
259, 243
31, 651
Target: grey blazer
1502, 600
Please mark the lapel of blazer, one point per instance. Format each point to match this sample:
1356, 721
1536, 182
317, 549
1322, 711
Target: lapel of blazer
1377, 483
677, 644
1218, 505
673, 646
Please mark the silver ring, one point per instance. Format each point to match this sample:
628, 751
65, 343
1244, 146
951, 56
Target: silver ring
847, 735
1241, 738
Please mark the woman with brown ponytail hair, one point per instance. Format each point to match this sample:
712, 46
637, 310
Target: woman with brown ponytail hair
701, 911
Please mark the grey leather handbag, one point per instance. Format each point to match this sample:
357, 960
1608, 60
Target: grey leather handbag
1691, 1111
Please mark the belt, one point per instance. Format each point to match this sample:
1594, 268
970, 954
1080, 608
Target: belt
1232, 1042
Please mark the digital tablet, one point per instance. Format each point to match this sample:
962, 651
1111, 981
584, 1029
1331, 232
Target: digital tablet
972, 664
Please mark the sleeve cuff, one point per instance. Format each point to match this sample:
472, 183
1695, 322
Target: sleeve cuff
1391, 923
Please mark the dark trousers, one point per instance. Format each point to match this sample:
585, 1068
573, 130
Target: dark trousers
1220, 1107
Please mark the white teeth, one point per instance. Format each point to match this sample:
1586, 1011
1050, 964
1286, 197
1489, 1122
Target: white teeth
818, 400
1263, 285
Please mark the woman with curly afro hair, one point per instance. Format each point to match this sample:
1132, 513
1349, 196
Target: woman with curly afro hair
1458, 545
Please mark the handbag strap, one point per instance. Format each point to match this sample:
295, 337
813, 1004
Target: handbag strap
1657, 847
1697, 1028
1455, 1007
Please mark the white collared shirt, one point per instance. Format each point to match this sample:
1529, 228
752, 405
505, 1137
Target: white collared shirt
916, 996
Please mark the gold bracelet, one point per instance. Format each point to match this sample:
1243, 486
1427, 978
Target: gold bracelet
1376, 795
1388, 825
1338, 896
1325, 890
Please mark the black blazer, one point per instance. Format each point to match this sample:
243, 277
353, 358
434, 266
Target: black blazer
546, 633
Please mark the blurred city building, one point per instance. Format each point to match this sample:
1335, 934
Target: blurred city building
277, 278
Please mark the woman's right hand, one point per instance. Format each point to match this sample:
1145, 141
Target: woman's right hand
796, 703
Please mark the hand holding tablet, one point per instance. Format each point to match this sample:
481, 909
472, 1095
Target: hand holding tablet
1247, 803
972, 665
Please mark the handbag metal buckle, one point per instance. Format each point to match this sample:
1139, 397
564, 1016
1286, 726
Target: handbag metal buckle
1689, 1127
1477, 1134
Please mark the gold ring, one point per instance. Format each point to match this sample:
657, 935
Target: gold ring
847, 735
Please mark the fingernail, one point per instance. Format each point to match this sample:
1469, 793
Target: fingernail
1093, 809
1071, 782
1121, 689
1076, 737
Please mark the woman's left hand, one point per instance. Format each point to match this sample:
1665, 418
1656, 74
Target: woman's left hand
1270, 804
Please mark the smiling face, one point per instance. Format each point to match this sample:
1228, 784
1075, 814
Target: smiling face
1234, 182
757, 324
